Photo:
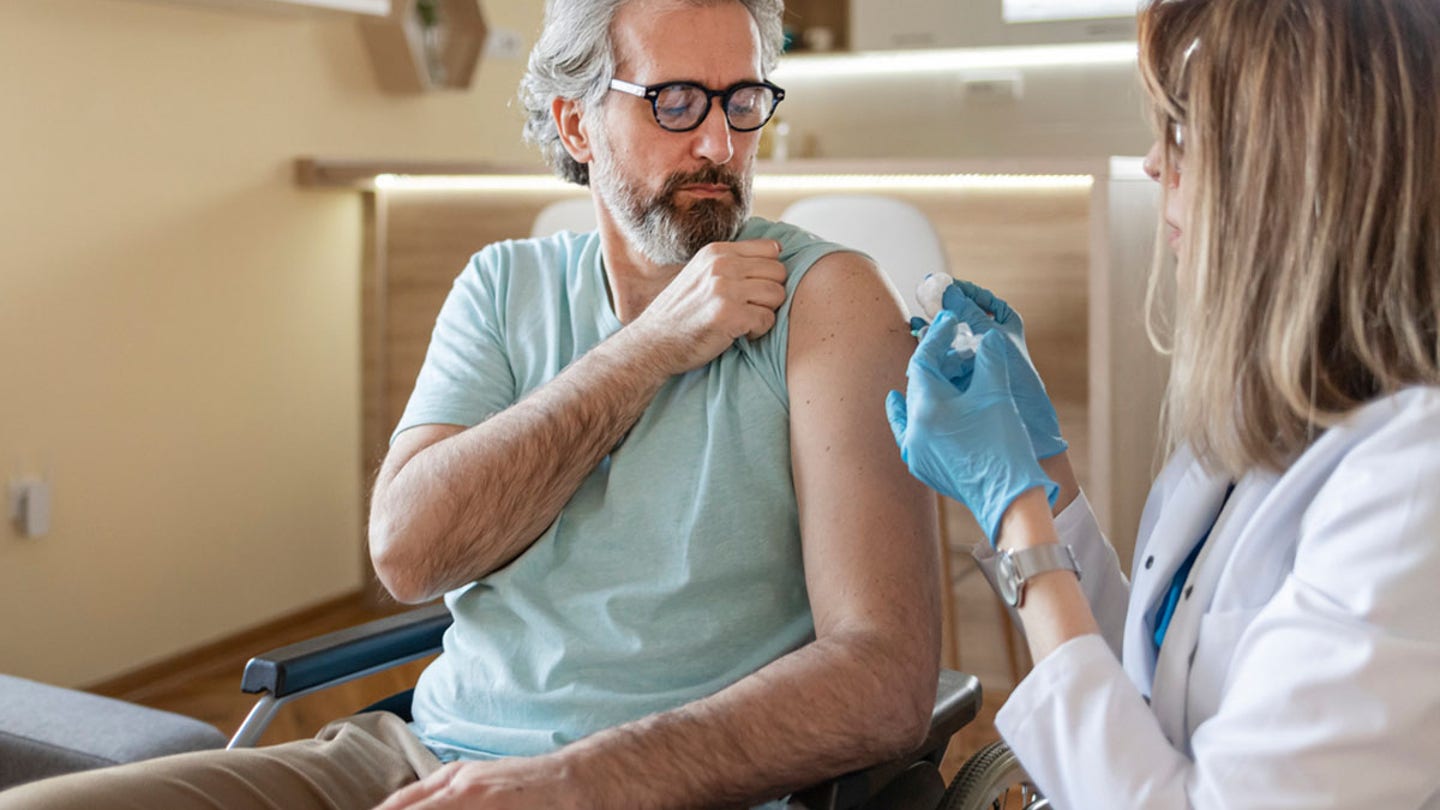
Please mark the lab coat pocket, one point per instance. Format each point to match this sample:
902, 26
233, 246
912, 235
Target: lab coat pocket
1215, 642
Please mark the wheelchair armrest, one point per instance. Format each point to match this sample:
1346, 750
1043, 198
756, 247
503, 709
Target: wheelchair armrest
336, 656
957, 701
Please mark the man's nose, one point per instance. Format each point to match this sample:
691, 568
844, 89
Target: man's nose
713, 136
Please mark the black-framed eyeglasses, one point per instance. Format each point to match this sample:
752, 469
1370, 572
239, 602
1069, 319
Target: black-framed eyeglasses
682, 106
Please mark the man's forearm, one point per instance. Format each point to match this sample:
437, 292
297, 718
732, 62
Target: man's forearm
838, 704
468, 504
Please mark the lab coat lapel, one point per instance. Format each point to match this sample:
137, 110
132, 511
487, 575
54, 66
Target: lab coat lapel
1190, 510
1170, 695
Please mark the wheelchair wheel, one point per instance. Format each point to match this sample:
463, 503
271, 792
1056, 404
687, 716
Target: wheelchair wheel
992, 779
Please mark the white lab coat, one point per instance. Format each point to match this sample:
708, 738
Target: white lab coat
1301, 667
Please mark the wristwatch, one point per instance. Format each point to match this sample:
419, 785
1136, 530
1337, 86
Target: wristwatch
1015, 568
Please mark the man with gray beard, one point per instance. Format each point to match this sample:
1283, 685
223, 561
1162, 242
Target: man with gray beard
693, 547
648, 468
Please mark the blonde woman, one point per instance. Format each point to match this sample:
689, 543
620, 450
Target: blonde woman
1278, 641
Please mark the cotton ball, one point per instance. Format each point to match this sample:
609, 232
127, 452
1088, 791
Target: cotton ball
930, 294
966, 342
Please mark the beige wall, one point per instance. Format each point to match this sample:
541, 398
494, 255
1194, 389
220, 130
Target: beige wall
1094, 111
179, 346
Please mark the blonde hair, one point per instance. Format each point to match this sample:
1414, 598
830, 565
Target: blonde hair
1311, 278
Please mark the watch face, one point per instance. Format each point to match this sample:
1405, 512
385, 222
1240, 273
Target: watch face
1007, 582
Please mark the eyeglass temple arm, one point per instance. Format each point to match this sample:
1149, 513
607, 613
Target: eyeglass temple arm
627, 87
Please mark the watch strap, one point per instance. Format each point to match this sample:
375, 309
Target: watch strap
1028, 563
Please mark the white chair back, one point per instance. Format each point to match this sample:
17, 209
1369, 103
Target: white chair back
568, 214
896, 234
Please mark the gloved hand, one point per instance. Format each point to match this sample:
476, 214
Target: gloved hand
971, 302
958, 429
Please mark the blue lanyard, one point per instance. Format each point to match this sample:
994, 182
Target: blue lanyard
1177, 585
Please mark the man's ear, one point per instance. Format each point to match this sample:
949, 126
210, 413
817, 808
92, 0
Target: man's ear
574, 133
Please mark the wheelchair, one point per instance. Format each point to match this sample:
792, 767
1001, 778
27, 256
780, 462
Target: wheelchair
912, 782
992, 779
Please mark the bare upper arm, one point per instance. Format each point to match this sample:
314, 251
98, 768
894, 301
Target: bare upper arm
868, 528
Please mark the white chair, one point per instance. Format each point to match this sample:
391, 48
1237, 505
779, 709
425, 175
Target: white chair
905, 246
896, 234
566, 214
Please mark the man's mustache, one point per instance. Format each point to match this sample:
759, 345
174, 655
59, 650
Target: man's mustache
708, 176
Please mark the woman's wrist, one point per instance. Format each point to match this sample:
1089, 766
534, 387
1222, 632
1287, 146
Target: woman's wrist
1027, 522
1058, 469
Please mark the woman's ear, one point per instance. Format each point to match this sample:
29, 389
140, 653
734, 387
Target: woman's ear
570, 123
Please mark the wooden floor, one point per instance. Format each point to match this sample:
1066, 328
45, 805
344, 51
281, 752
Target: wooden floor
206, 685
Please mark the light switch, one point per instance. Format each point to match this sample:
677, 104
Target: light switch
30, 506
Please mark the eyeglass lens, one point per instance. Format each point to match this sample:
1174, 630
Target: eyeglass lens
682, 106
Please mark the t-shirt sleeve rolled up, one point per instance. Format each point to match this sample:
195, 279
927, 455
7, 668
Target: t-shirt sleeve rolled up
466, 377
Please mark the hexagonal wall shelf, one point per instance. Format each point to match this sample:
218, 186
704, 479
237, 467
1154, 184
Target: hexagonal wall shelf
426, 44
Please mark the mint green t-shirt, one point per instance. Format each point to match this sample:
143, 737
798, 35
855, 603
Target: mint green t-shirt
675, 569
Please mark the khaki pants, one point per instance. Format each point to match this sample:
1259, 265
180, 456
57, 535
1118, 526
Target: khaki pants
353, 763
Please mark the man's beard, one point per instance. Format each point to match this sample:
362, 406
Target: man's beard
658, 226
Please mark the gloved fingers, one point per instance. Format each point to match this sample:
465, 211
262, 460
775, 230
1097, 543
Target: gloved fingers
990, 375
895, 413
958, 368
1020, 360
955, 300
931, 351
988, 301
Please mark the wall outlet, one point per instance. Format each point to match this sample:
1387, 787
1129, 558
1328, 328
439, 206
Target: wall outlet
30, 506
504, 43
996, 85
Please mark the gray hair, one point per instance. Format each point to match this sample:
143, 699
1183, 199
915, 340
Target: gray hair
575, 59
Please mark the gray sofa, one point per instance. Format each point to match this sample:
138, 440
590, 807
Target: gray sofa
47, 730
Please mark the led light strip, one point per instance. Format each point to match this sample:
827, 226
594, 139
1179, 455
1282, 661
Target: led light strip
772, 182
931, 61
919, 182
472, 182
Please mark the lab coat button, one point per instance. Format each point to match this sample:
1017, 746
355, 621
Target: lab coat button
1188, 589
1149, 561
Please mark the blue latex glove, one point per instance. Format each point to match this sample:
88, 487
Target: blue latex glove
971, 302
958, 429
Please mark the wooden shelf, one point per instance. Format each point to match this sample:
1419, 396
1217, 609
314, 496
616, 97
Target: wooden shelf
806, 19
413, 57
373, 8
319, 172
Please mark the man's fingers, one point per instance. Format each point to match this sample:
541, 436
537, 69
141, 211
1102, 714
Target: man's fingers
764, 292
762, 320
754, 248
767, 269
407, 797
